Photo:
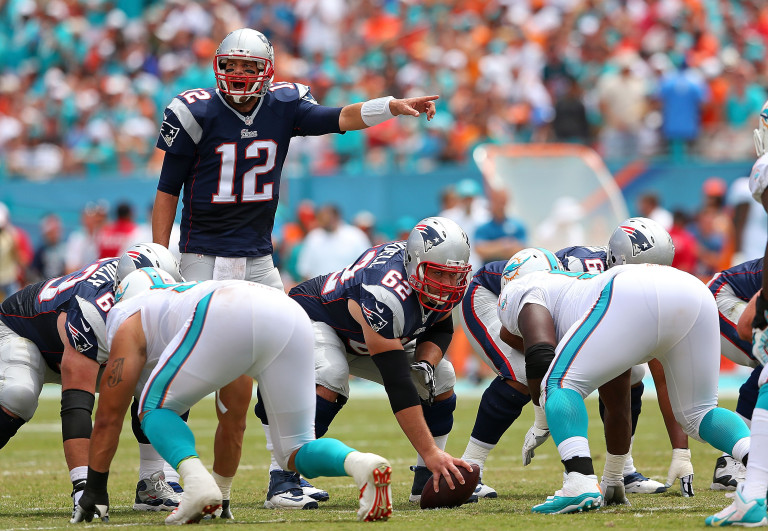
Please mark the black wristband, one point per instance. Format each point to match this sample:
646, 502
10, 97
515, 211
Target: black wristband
97, 481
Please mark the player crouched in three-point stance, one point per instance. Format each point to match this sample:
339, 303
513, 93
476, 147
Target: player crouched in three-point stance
573, 348
386, 318
165, 344
54, 331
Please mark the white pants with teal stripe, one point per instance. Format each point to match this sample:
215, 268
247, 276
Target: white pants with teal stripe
667, 316
268, 338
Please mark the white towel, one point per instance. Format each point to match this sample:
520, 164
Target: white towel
225, 268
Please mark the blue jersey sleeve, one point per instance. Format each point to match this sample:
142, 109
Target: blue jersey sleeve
81, 334
312, 119
179, 123
176, 168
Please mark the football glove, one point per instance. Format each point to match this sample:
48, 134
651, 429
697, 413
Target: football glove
537, 434
760, 344
424, 377
613, 492
91, 504
681, 468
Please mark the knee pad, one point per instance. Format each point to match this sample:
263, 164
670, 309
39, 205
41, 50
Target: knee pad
76, 410
21, 400
439, 416
636, 403
445, 377
499, 407
748, 393
8, 427
325, 412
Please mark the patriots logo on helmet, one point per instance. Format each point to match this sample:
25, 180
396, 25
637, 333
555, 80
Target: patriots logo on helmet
640, 243
430, 236
374, 318
81, 343
168, 132
139, 259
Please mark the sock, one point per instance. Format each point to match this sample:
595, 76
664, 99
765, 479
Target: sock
273, 464
149, 461
748, 394
566, 414
723, 429
78, 473
629, 464
170, 436
582, 465
756, 482
325, 412
636, 404
573, 447
477, 452
440, 441
499, 407
322, 457
225, 485
171, 475
191, 468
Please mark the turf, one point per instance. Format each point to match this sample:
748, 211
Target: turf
34, 485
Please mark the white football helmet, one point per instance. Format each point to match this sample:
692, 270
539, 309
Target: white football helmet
761, 133
436, 247
640, 241
530, 260
142, 280
147, 255
249, 45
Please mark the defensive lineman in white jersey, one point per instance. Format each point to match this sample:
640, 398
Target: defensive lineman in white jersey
582, 331
173, 344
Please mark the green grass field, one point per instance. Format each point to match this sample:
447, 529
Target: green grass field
34, 491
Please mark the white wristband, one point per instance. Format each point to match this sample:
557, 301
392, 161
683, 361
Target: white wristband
539, 418
373, 112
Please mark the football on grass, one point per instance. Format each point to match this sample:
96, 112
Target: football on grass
446, 497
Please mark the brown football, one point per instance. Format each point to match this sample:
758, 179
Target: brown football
446, 497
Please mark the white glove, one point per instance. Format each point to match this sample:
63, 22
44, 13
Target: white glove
537, 434
760, 345
613, 492
681, 468
423, 374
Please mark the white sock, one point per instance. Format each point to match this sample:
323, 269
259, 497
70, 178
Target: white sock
171, 475
224, 483
273, 464
149, 461
741, 448
78, 473
573, 447
756, 482
440, 442
629, 464
477, 452
747, 421
192, 468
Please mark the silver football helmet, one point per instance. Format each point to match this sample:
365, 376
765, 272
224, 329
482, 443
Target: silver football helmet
142, 280
248, 45
640, 241
147, 255
437, 262
528, 261
761, 133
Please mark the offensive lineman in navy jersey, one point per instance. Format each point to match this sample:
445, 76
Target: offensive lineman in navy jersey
636, 240
55, 331
386, 318
225, 147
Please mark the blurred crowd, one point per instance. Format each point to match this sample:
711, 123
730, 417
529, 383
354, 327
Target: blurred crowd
83, 83
727, 227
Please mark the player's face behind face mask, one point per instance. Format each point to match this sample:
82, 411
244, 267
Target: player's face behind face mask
443, 285
242, 75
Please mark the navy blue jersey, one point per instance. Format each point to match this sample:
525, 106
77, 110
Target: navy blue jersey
489, 277
85, 295
744, 279
584, 259
231, 192
377, 281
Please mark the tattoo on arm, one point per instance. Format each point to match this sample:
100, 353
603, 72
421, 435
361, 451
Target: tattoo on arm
116, 372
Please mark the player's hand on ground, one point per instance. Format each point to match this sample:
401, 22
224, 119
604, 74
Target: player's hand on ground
91, 504
424, 376
441, 463
682, 469
533, 439
414, 106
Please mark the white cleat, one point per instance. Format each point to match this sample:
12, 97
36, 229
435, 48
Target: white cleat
728, 473
484, 491
285, 492
373, 475
201, 497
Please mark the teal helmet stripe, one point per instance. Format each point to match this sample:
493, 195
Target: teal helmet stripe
573, 346
554, 263
157, 387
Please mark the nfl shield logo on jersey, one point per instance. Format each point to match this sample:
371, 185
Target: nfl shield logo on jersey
640, 242
430, 236
168, 132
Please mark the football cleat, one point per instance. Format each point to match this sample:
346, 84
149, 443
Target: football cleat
579, 493
313, 492
176, 487
636, 483
78, 488
484, 491
421, 475
285, 492
222, 512
742, 512
201, 497
373, 476
155, 494
729, 472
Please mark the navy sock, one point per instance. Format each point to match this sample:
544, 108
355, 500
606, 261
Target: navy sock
325, 411
748, 393
439, 416
636, 403
499, 407
8, 426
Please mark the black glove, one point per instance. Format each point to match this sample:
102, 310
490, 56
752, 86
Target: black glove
95, 499
424, 376
761, 305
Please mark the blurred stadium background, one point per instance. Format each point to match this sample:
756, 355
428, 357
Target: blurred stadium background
583, 110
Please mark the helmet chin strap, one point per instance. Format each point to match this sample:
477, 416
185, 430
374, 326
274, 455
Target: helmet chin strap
241, 99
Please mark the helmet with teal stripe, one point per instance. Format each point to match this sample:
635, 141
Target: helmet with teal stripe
141, 281
529, 260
